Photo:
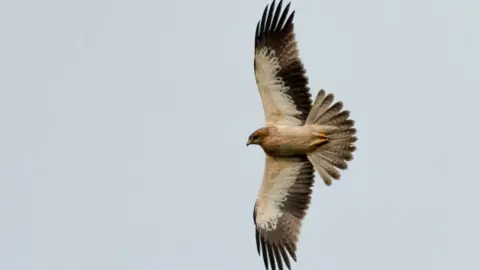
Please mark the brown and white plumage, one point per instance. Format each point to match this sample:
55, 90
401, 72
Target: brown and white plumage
283, 200
298, 138
279, 72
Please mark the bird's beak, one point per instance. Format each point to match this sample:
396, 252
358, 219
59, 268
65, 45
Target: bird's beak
249, 142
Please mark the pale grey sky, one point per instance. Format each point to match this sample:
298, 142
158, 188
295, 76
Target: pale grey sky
123, 130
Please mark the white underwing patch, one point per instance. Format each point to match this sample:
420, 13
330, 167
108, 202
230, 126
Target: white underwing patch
270, 210
273, 89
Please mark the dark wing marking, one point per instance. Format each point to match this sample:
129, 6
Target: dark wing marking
274, 244
279, 72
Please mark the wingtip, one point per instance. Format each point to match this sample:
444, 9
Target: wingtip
271, 20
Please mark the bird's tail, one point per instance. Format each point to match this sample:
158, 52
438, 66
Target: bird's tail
338, 136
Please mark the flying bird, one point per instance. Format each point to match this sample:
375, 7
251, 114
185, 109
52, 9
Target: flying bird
298, 138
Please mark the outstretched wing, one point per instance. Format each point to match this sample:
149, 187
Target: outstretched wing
279, 73
282, 203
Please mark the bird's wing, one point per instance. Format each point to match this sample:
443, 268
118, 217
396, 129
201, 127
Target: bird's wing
282, 203
279, 72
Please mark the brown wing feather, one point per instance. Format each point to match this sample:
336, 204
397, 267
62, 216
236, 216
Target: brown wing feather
286, 187
279, 72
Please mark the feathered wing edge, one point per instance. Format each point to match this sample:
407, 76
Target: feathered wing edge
279, 72
279, 244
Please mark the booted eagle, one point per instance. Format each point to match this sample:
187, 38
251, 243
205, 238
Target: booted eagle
298, 138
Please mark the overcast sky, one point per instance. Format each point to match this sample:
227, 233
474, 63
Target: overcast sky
123, 130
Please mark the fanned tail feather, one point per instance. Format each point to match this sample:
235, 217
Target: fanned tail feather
332, 155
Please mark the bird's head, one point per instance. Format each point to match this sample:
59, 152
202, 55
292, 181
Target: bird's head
257, 136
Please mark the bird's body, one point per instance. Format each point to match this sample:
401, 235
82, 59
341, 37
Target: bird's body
299, 138
285, 141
